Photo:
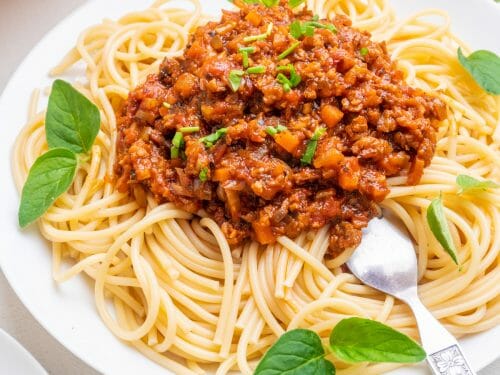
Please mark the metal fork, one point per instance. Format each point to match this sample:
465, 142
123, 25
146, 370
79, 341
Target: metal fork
386, 260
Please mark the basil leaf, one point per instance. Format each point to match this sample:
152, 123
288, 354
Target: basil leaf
49, 177
484, 66
365, 340
72, 120
439, 227
270, 3
297, 352
467, 183
295, 3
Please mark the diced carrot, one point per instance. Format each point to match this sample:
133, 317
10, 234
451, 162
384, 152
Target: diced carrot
221, 174
233, 202
287, 140
254, 18
329, 158
349, 174
331, 115
263, 233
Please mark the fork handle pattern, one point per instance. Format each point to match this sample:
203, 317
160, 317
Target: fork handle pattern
443, 352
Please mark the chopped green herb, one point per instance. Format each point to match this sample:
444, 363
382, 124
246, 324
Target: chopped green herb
167, 105
296, 29
210, 139
177, 144
288, 83
318, 25
467, 183
312, 145
284, 81
190, 129
275, 130
315, 17
254, 38
203, 176
245, 52
299, 29
363, 51
439, 227
256, 69
288, 51
235, 77
295, 3
270, 3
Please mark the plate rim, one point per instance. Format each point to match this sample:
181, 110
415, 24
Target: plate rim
82, 353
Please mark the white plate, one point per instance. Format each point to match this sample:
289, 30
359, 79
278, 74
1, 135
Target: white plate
14, 359
67, 311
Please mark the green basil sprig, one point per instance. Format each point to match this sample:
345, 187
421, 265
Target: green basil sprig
72, 121
353, 340
363, 340
439, 227
71, 124
296, 352
467, 183
49, 177
484, 66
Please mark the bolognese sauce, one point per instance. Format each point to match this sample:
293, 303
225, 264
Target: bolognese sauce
275, 122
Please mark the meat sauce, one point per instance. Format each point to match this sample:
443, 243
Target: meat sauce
275, 122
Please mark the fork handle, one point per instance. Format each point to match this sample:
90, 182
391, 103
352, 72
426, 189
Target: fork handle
443, 352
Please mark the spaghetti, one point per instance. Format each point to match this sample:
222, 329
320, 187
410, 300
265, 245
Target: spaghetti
188, 301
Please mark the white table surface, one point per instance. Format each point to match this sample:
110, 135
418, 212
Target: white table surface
27, 21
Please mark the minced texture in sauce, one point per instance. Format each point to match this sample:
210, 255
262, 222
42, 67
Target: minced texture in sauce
369, 124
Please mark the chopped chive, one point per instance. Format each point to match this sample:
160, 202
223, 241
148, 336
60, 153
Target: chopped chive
167, 105
288, 51
319, 25
299, 29
177, 143
288, 83
312, 145
245, 52
203, 176
272, 131
235, 77
295, 3
178, 140
190, 129
254, 38
284, 81
260, 69
210, 139
270, 3
363, 51
296, 29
